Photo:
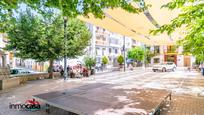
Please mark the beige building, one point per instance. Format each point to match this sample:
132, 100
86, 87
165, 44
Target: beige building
4, 55
172, 54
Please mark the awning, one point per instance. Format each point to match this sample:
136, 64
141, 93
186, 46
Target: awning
138, 26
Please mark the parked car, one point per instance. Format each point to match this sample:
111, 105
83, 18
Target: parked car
164, 67
15, 71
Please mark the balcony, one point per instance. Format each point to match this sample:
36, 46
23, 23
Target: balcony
171, 50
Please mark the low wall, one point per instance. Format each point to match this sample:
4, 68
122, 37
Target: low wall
29, 77
9, 83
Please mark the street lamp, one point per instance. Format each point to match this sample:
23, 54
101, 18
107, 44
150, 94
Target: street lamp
124, 52
144, 60
65, 52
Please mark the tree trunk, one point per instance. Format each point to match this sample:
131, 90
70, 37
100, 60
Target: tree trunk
50, 70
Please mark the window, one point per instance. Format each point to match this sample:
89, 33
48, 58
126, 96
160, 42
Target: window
109, 50
171, 49
156, 49
103, 51
98, 38
116, 51
97, 49
156, 60
104, 39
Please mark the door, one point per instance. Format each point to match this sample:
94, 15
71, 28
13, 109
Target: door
187, 61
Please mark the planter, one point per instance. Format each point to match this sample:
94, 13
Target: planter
89, 72
120, 65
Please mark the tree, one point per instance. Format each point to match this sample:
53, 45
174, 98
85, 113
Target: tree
192, 19
69, 8
104, 60
89, 62
72, 8
148, 56
120, 59
136, 53
40, 37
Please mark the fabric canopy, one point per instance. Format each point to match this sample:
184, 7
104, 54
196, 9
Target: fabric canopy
138, 26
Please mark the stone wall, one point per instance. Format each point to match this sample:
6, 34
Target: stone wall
16, 80
29, 77
9, 83
4, 73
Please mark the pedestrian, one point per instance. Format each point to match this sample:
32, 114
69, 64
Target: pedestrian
61, 70
68, 70
200, 67
203, 68
189, 68
131, 67
102, 67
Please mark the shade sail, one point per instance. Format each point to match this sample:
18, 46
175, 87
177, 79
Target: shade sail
161, 15
138, 26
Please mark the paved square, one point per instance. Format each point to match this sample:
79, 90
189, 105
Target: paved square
189, 85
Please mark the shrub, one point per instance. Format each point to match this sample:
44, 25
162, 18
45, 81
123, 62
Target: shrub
105, 60
120, 59
89, 62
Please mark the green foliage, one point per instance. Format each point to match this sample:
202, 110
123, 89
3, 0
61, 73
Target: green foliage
105, 60
192, 17
148, 56
120, 59
89, 62
41, 37
6, 7
136, 53
69, 8
72, 8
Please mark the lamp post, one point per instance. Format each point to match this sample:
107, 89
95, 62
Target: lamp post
124, 52
144, 60
65, 52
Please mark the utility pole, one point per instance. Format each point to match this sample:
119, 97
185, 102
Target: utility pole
144, 56
65, 52
124, 53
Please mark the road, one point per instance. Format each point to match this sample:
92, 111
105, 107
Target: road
180, 82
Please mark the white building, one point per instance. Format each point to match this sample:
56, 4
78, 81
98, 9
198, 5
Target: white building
109, 44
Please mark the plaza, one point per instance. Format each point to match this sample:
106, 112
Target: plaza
187, 89
106, 57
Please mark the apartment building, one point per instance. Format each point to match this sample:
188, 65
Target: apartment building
172, 54
4, 55
109, 44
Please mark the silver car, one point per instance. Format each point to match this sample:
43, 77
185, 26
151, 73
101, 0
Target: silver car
164, 67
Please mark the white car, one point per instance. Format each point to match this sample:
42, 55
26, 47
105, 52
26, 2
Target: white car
164, 67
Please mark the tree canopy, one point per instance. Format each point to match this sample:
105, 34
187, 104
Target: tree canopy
192, 17
69, 8
136, 53
41, 37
